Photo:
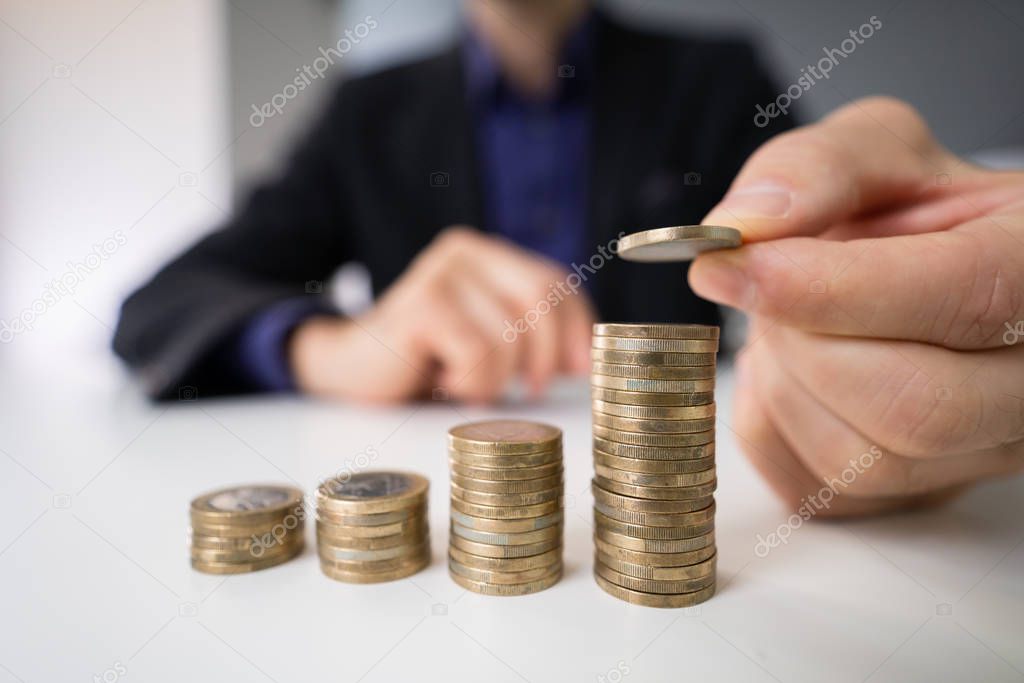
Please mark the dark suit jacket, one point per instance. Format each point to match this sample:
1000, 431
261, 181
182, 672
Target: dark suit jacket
672, 124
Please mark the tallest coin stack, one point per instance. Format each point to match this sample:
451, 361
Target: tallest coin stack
654, 462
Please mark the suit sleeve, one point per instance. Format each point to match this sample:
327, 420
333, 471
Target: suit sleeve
281, 245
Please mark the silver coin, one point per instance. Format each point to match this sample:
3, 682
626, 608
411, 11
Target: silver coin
370, 485
681, 243
246, 498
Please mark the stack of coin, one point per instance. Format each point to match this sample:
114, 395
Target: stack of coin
654, 462
506, 506
372, 526
245, 528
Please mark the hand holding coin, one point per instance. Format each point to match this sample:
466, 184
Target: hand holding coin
881, 274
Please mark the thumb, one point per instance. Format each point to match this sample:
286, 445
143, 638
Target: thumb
959, 288
865, 156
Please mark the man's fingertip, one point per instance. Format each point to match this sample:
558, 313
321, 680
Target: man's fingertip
719, 277
755, 210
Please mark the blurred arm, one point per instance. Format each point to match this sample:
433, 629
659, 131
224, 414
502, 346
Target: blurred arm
185, 326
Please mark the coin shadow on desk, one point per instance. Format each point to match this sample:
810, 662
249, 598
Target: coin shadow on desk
573, 565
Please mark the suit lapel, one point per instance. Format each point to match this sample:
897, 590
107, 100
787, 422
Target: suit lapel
437, 147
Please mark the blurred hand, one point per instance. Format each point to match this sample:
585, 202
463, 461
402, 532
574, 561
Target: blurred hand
884, 278
464, 318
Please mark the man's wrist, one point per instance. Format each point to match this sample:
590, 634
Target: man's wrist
309, 346
261, 347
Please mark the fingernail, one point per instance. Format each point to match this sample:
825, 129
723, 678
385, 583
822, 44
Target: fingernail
760, 200
718, 278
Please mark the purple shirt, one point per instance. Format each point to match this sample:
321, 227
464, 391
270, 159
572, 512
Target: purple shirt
533, 163
534, 153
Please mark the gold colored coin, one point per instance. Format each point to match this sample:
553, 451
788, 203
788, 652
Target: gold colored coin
646, 559
372, 492
654, 599
502, 577
507, 473
406, 570
331, 553
340, 538
655, 519
506, 526
677, 243
508, 589
509, 499
243, 529
221, 543
656, 345
654, 466
656, 533
250, 505
687, 386
654, 412
653, 545
656, 480
659, 440
633, 504
670, 493
628, 424
504, 437
506, 564
625, 450
658, 358
263, 536
411, 525
509, 486
654, 586
550, 533
372, 566
244, 567
506, 512
693, 372
640, 571
379, 519
503, 551
525, 461
646, 398
656, 331
240, 531
252, 554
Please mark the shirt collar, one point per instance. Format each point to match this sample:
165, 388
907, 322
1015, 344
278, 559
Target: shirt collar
485, 81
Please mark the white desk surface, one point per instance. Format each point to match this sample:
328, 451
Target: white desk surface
103, 586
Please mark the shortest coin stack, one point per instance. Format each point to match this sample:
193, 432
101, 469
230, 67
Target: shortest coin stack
246, 528
372, 526
506, 506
